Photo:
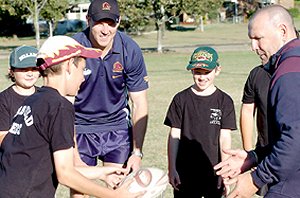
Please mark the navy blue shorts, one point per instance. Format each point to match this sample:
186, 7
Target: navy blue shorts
111, 146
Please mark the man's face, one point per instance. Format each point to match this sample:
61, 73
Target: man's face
266, 38
103, 32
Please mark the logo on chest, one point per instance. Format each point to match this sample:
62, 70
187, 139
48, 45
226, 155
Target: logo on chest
215, 116
118, 67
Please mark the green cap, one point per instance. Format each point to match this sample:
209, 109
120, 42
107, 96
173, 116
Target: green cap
23, 57
203, 58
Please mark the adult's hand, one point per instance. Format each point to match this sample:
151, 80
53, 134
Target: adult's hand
134, 163
238, 162
244, 186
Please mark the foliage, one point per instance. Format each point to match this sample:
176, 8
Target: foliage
135, 14
16, 21
294, 12
54, 10
201, 8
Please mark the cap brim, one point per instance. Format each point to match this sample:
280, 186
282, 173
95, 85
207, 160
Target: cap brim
90, 53
101, 16
67, 53
202, 65
29, 62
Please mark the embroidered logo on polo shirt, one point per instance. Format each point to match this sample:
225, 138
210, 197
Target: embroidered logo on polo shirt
146, 79
106, 6
215, 116
118, 67
116, 76
87, 72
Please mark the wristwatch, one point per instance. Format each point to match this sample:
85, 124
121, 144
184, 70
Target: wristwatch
137, 153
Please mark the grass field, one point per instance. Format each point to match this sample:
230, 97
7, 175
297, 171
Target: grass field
168, 76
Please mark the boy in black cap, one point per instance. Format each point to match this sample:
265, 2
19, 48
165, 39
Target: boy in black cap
200, 118
24, 74
37, 152
106, 127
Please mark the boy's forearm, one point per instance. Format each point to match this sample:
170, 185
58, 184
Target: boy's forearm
173, 143
2, 135
225, 142
73, 179
67, 175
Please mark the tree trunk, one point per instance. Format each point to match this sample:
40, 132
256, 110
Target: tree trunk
36, 24
50, 28
200, 24
159, 37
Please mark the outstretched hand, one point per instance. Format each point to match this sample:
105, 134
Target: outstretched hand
238, 162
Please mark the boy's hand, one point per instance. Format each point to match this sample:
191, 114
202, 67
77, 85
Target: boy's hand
174, 179
113, 175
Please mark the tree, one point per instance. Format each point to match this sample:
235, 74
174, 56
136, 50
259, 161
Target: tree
135, 14
53, 12
199, 9
163, 11
8, 13
33, 7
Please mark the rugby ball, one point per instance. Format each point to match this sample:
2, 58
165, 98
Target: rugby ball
153, 181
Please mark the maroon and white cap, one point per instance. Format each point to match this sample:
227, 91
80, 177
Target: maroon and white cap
57, 49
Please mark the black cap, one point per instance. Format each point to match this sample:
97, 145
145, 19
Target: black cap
104, 9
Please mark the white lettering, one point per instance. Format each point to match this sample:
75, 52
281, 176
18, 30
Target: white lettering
27, 55
28, 120
15, 128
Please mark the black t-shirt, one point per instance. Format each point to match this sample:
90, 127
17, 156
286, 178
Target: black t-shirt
10, 101
256, 91
43, 124
200, 119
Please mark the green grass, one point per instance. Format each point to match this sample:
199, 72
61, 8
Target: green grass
168, 76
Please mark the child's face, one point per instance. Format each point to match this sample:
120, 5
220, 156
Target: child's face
204, 79
25, 78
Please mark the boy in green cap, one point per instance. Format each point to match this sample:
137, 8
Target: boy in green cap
24, 74
200, 118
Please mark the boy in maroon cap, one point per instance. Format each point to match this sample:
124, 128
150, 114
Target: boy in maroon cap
37, 152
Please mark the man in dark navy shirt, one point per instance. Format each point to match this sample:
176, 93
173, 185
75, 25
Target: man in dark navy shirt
106, 127
273, 36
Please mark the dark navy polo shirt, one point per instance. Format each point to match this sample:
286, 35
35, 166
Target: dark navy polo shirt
102, 101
